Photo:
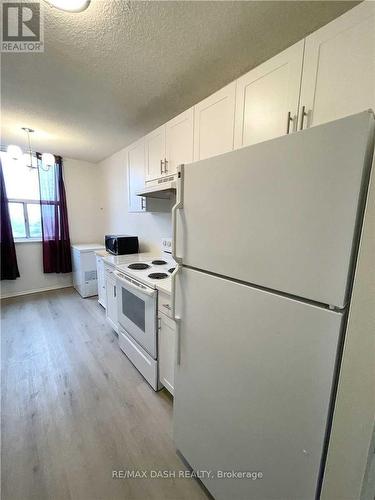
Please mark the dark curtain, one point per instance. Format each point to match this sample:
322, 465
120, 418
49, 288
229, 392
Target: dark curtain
55, 228
9, 267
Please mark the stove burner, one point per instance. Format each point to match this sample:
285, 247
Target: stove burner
171, 270
158, 262
138, 265
158, 276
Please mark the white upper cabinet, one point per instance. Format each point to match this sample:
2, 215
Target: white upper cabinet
214, 123
155, 153
135, 160
339, 68
179, 141
328, 75
267, 98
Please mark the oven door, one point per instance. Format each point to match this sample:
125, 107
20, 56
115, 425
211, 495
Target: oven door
136, 306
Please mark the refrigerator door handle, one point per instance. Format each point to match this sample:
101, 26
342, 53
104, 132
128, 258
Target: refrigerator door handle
173, 291
178, 340
177, 319
177, 206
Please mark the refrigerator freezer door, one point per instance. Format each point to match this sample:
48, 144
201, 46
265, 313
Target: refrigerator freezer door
283, 214
253, 387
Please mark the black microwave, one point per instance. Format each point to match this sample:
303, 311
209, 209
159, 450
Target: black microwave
121, 244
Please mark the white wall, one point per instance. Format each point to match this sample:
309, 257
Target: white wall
30, 265
350, 463
149, 227
82, 185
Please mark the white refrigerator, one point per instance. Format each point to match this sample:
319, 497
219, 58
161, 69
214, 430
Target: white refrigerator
266, 240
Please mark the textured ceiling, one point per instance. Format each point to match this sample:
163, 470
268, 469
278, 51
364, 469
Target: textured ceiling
116, 71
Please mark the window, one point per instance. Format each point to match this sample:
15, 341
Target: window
22, 186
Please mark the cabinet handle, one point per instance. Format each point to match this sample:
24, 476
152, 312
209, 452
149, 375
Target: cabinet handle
303, 114
165, 165
114, 291
161, 166
143, 205
288, 120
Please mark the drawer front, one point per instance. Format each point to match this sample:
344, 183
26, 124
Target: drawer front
167, 351
144, 363
109, 270
164, 304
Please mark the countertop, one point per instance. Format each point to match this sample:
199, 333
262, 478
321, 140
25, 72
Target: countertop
164, 286
118, 260
101, 253
88, 247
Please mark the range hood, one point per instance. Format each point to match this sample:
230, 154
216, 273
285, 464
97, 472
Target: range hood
163, 189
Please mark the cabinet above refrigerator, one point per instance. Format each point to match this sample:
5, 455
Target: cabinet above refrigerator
287, 210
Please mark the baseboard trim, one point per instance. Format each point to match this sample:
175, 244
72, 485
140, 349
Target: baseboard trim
37, 290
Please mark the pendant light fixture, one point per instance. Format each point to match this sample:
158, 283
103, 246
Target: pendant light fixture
29, 158
70, 5
30, 162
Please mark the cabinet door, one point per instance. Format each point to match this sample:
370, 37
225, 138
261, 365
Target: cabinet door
214, 123
135, 159
267, 98
155, 153
111, 310
101, 281
339, 69
179, 141
167, 351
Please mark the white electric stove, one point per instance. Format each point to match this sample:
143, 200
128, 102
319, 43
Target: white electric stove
154, 273
137, 285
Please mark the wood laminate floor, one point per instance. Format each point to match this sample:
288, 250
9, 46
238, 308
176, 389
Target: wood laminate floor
74, 409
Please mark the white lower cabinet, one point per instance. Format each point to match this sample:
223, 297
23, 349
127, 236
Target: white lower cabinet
111, 298
102, 299
339, 68
167, 351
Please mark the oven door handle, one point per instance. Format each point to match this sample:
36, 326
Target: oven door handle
147, 291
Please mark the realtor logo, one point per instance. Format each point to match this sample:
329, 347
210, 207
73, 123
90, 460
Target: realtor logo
22, 27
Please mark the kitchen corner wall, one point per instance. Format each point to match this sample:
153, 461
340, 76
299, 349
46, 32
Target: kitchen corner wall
97, 199
149, 227
82, 185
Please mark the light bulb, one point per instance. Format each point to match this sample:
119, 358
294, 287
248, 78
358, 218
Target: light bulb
15, 152
70, 5
48, 159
